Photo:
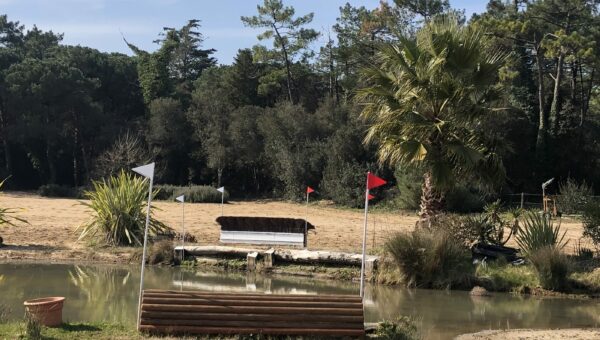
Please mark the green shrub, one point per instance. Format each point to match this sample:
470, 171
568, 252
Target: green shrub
409, 182
462, 200
538, 232
343, 182
193, 194
429, 259
161, 252
591, 221
553, 267
501, 277
55, 190
403, 328
119, 206
7, 214
573, 196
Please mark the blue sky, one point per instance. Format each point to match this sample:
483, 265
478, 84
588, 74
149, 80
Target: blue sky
100, 23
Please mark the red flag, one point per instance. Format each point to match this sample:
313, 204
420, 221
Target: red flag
309, 190
370, 197
374, 181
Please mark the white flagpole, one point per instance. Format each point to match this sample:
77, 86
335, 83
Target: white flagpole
222, 196
182, 200
148, 172
364, 244
306, 223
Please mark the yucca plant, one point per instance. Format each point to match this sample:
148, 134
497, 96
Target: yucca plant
7, 214
538, 232
119, 205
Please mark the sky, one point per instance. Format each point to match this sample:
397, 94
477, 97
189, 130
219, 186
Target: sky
102, 24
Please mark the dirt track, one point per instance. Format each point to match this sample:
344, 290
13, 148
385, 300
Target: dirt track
51, 233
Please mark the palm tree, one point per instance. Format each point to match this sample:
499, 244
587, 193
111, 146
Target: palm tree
426, 98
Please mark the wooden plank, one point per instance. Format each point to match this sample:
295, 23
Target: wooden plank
254, 302
262, 330
250, 317
254, 324
279, 297
251, 309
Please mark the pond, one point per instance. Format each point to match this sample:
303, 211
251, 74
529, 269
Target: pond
110, 293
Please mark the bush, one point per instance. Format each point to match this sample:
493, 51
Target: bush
119, 205
591, 221
553, 267
500, 277
463, 200
409, 182
7, 214
539, 232
403, 328
343, 183
429, 259
573, 196
161, 252
193, 194
55, 190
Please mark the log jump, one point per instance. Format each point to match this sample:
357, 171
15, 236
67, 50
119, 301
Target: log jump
197, 312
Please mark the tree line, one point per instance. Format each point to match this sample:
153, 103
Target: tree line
284, 114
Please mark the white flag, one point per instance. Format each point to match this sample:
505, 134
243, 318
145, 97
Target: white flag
221, 189
145, 170
180, 198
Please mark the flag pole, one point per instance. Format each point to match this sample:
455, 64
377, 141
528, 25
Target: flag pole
148, 173
364, 244
222, 195
183, 228
306, 223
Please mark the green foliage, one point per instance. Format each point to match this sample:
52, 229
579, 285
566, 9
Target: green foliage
33, 327
421, 106
118, 206
55, 190
573, 196
193, 194
409, 184
429, 259
403, 328
591, 221
552, 267
6, 214
501, 277
539, 232
463, 200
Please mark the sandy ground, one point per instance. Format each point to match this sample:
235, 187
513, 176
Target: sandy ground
51, 233
531, 334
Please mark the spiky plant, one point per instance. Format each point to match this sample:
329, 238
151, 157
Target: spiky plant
7, 214
538, 232
119, 206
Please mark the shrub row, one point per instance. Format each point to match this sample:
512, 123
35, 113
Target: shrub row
193, 194
60, 191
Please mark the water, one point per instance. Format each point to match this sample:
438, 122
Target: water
110, 293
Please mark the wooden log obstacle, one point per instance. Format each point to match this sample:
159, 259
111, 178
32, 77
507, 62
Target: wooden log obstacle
197, 312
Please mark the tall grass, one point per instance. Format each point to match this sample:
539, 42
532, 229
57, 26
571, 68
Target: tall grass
429, 259
538, 232
552, 266
119, 205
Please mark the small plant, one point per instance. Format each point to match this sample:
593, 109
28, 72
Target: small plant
573, 196
33, 327
429, 259
7, 215
4, 313
553, 267
538, 232
119, 205
500, 277
591, 221
403, 328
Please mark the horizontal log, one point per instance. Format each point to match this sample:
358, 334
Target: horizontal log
250, 317
248, 296
252, 309
254, 302
265, 330
254, 324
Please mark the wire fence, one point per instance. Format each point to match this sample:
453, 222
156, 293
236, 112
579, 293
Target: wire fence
533, 201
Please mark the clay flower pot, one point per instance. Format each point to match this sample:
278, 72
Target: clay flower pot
48, 311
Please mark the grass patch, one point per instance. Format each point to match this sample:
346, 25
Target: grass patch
589, 280
97, 331
500, 277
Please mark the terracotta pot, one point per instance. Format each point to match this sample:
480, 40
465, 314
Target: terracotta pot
48, 311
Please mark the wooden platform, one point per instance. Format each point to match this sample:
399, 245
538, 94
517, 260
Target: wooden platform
197, 312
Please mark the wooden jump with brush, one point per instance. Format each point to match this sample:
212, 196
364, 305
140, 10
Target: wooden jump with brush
198, 312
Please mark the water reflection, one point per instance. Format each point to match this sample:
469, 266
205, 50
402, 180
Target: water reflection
109, 293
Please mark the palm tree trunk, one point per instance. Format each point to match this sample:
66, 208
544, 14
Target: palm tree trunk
432, 200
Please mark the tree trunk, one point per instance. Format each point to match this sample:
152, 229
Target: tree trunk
432, 200
287, 64
5, 146
540, 145
556, 99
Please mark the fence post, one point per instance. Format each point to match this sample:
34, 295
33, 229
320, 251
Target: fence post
522, 199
